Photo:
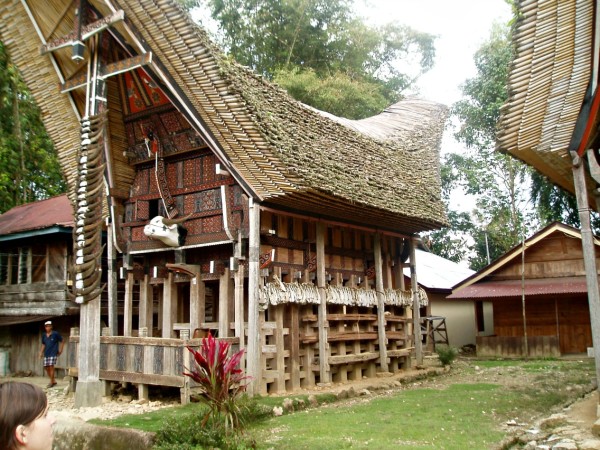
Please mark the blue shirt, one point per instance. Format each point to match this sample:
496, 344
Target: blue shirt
51, 343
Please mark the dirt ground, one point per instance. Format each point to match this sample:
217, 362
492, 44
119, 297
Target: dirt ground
569, 428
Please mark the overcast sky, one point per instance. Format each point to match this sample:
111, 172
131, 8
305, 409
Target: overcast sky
461, 26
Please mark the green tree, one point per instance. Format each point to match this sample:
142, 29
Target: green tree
512, 199
29, 168
321, 52
498, 182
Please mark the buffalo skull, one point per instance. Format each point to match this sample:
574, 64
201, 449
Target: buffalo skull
169, 231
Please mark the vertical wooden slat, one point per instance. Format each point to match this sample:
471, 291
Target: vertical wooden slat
113, 314
197, 302
169, 306
128, 304
415, 296
239, 305
322, 313
146, 304
383, 363
253, 354
294, 346
224, 295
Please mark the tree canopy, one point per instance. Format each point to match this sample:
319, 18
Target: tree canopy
511, 199
29, 168
322, 53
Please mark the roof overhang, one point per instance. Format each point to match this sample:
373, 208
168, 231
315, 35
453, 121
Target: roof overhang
517, 288
37, 233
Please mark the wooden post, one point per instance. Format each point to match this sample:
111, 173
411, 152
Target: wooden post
128, 304
169, 306
113, 314
239, 305
146, 305
322, 312
254, 349
197, 302
589, 256
224, 295
89, 387
383, 363
416, 304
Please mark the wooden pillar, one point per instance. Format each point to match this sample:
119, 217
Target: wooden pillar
169, 306
383, 363
416, 304
224, 295
239, 305
197, 302
589, 256
322, 312
254, 349
89, 387
146, 304
113, 314
128, 304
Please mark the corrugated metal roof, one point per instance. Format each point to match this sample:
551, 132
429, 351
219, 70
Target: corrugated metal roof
435, 272
513, 288
55, 211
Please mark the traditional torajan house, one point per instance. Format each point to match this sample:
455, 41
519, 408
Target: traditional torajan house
231, 207
539, 296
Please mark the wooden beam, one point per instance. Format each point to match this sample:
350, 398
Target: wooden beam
86, 32
169, 306
589, 256
224, 295
253, 354
112, 69
146, 304
128, 304
416, 304
322, 311
380, 304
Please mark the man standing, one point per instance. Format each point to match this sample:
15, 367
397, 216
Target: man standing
52, 347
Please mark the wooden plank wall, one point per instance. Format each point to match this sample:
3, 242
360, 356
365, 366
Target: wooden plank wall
566, 317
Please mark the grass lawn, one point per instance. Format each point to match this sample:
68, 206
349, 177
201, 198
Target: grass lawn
464, 409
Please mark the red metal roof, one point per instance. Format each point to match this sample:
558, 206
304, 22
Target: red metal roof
513, 288
37, 215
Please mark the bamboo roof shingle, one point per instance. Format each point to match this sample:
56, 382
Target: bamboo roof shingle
547, 84
381, 171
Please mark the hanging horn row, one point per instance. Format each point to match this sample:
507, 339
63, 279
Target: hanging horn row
87, 234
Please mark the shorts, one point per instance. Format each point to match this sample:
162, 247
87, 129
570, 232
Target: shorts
50, 360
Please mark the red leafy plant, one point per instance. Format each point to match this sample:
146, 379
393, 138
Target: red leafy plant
220, 380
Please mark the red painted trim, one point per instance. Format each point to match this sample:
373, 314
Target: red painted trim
583, 145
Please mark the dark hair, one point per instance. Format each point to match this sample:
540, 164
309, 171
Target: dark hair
20, 404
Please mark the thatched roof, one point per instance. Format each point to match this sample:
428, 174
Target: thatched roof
382, 171
547, 85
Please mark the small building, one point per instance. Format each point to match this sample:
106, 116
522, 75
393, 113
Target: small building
35, 251
539, 297
442, 319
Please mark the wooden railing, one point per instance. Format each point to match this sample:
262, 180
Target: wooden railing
143, 360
